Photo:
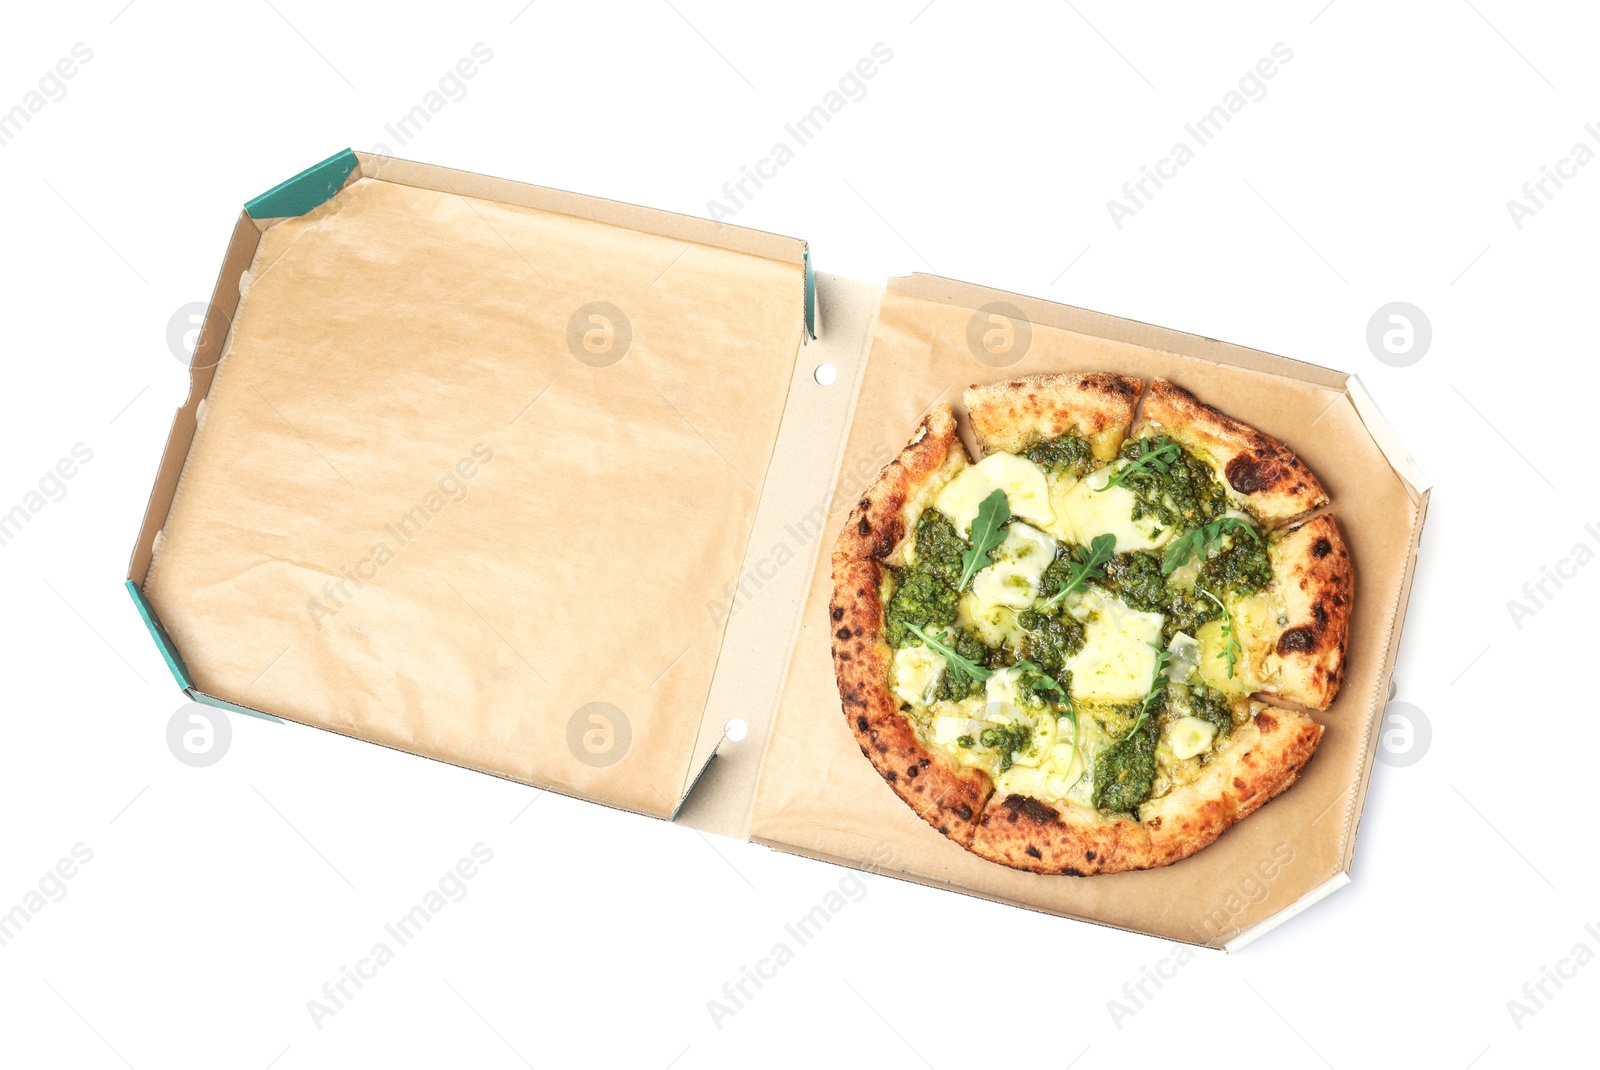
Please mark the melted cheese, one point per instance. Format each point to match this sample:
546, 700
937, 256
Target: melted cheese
960, 498
995, 625
1007, 706
1086, 512
1000, 690
1027, 491
1105, 444
1212, 669
1257, 619
1185, 650
1188, 736
1061, 485
949, 730
1019, 564
1052, 778
916, 673
1185, 575
1119, 654
1024, 483
1256, 627
1021, 780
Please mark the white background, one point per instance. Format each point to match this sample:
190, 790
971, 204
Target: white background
1377, 168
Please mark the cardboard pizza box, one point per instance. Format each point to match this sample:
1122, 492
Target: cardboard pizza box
545, 486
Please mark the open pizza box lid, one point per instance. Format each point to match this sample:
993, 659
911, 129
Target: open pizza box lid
545, 486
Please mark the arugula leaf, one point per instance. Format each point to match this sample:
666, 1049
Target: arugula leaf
1035, 679
1160, 459
993, 513
968, 668
1158, 684
1231, 649
1083, 568
1071, 712
1200, 540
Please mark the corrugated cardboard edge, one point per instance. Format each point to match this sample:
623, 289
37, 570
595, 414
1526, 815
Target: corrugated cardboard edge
1409, 471
1133, 332
1418, 487
1196, 347
931, 882
208, 348
204, 699
317, 184
617, 213
1316, 895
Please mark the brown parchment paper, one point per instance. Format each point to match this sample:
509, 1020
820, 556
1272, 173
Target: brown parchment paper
819, 796
412, 514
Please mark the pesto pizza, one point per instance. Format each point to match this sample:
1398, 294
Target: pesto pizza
1090, 649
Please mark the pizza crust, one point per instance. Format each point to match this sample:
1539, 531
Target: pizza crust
949, 799
890, 507
1315, 581
1259, 473
1010, 416
1263, 757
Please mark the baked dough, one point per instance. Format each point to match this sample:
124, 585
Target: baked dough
1288, 609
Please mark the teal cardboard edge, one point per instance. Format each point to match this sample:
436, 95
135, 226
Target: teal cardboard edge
811, 294
692, 785
206, 700
180, 672
306, 190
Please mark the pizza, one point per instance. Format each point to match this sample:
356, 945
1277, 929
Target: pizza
1091, 649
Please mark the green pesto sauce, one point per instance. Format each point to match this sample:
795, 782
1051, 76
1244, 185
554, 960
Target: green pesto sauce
1068, 454
1125, 772
1185, 496
925, 593
1058, 573
1039, 688
1242, 567
1186, 611
1136, 578
1210, 705
1051, 639
954, 685
1007, 738
1195, 699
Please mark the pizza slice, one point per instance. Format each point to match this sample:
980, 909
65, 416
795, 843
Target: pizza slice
1255, 471
1269, 612
1051, 654
1189, 802
1063, 420
1259, 603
